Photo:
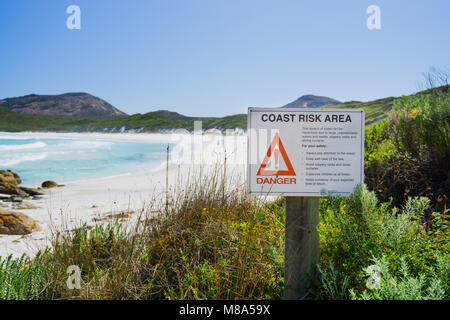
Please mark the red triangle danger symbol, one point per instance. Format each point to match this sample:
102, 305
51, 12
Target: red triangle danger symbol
262, 169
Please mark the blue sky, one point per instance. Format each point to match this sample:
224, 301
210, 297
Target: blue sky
217, 57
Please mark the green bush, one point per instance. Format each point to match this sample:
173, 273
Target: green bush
421, 125
334, 285
21, 279
379, 153
409, 153
385, 285
353, 230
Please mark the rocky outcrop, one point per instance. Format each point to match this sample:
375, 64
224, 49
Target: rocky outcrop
49, 184
9, 177
24, 205
17, 223
9, 184
32, 191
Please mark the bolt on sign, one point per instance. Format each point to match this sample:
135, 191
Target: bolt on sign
305, 152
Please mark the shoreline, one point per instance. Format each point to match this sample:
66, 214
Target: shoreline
91, 201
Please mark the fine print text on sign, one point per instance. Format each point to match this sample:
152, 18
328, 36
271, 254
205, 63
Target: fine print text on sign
305, 152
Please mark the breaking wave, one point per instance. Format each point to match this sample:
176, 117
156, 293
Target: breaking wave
34, 145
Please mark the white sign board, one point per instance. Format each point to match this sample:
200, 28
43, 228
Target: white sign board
305, 152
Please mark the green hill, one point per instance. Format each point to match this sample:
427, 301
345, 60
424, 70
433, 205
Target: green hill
163, 120
11, 121
374, 110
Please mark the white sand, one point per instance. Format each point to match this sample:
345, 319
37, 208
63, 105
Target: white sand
83, 201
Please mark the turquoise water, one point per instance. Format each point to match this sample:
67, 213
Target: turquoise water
70, 159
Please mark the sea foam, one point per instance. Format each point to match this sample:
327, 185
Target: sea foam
34, 145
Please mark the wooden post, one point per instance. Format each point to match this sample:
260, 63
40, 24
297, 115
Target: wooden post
301, 253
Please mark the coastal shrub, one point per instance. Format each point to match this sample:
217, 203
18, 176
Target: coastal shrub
226, 245
421, 125
210, 242
352, 230
379, 151
107, 258
384, 285
360, 232
408, 154
334, 285
216, 244
21, 279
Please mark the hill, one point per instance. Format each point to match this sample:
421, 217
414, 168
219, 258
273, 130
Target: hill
377, 110
77, 104
163, 120
374, 110
11, 121
311, 101
172, 114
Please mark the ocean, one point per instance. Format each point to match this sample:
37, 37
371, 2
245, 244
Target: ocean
64, 159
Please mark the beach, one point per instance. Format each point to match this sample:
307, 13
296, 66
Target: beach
102, 200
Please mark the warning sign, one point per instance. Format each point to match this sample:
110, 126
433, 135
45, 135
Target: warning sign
276, 147
305, 152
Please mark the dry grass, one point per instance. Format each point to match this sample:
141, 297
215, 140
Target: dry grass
211, 242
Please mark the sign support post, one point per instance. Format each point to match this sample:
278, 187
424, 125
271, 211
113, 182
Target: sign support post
301, 246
